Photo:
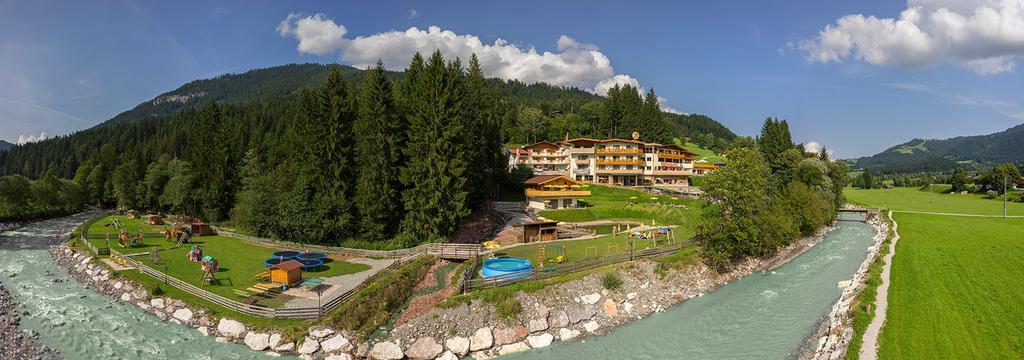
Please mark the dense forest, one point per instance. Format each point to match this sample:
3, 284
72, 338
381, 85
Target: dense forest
771, 192
332, 154
973, 153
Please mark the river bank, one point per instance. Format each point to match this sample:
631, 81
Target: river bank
17, 344
571, 310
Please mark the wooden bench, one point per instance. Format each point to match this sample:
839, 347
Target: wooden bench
241, 293
249, 301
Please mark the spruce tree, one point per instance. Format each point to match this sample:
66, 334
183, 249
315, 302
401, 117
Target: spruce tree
380, 134
436, 200
483, 140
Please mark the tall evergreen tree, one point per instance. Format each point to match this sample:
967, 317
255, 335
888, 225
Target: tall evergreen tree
483, 140
210, 153
436, 200
380, 135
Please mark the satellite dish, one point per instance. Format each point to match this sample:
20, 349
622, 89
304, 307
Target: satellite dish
636, 135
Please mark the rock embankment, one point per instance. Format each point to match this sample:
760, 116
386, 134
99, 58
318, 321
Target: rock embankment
834, 332
16, 344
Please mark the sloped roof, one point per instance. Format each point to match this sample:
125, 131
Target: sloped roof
288, 265
540, 179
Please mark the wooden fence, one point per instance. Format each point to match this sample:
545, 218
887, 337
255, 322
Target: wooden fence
537, 274
445, 251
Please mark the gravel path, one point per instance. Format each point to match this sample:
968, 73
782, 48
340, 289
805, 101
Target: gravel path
869, 347
954, 214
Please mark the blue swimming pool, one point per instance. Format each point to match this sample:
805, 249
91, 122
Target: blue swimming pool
503, 266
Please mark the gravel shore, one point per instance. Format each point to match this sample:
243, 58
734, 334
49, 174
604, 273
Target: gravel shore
16, 344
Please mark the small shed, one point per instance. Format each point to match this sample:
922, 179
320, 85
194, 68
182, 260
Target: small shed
201, 229
288, 273
154, 219
133, 214
539, 231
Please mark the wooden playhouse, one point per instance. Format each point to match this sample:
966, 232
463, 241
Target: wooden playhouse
201, 229
288, 273
154, 220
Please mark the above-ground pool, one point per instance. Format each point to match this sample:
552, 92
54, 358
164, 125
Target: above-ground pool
272, 261
286, 254
503, 266
311, 256
310, 264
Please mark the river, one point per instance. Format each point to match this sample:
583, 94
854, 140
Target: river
761, 316
84, 324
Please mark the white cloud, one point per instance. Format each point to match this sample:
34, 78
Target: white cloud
815, 147
413, 14
316, 34
573, 63
22, 139
986, 36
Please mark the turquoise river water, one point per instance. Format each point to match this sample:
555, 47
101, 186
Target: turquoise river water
761, 316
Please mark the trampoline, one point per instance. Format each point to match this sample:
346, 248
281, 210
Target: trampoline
505, 266
286, 254
311, 264
272, 261
311, 256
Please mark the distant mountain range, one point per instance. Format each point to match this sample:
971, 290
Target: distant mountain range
4, 146
969, 152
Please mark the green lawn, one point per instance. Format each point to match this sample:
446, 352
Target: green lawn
956, 289
577, 250
153, 234
913, 199
607, 203
699, 152
239, 261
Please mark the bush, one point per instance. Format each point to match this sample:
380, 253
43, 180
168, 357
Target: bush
508, 308
611, 280
157, 291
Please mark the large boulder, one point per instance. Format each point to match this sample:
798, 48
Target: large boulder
457, 345
424, 349
558, 319
309, 346
591, 326
567, 334
275, 339
539, 341
510, 335
537, 325
513, 348
288, 346
257, 341
321, 333
448, 355
183, 314
230, 328
610, 308
342, 356
481, 340
577, 314
157, 303
386, 351
336, 343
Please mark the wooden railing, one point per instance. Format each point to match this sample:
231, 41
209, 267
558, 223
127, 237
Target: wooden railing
619, 151
540, 193
538, 274
674, 156
619, 162
446, 251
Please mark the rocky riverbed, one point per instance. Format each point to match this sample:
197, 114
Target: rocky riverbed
16, 344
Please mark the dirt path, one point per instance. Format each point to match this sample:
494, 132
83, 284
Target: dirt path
869, 347
953, 214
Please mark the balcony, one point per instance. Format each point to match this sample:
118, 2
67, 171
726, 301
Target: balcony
620, 162
673, 156
620, 151
557, 193
588, 150
634, 171
677, 172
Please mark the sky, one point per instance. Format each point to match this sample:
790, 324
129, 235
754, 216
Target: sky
854, 76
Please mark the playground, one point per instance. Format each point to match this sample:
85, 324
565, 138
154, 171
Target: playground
222, 265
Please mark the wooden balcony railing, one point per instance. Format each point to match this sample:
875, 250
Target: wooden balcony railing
619, 151
556, 193
620, 162
674, 156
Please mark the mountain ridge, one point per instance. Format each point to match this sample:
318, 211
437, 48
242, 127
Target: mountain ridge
943, 155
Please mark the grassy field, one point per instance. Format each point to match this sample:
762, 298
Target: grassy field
700, 153
152, 240
239, 261
576, 250
607, 203
913, 199
955, 289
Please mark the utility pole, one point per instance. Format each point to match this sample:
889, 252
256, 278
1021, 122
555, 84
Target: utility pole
1004, 195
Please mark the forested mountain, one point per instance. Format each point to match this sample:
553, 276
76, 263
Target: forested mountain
5, 145
969, 152
329, 154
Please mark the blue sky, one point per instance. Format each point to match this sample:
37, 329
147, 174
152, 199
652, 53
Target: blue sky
65, 66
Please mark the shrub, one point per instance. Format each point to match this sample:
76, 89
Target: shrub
611, 280
157, 291
508, 308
